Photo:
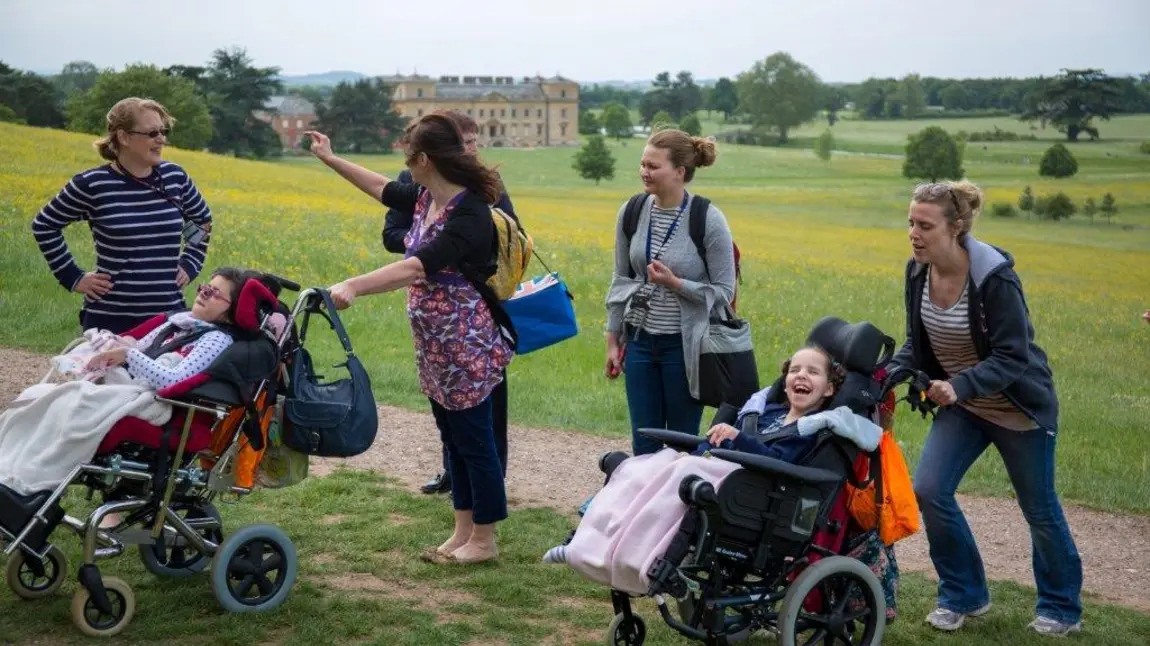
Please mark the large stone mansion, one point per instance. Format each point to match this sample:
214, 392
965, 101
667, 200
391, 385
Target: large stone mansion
534, 111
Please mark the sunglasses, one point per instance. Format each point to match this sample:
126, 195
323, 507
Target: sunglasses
938, 190
209, 292
151, 134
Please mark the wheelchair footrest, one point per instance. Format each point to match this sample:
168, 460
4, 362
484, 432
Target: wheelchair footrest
17, 510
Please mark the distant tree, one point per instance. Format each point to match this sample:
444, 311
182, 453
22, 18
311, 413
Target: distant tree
1026, 201
1089, 208
825, 145
1071, 102
912, 96
932, 154
690, 125
872, 96
87, 111
779, 93
1108, 207
75, 77
588, 123
617, 121
195, 73
955, 96
359, 117
724, 98
687, 97
650, 104
661, 121
236, 90
1058, 162
594, 160
32, 97
834, 100
1004, 210
1059, 206
8, 115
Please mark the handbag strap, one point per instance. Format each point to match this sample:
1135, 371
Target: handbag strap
332, 319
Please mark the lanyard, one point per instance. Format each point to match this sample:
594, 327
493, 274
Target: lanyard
670, 231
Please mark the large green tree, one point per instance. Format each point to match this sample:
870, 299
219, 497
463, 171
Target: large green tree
31, 97
724, 98
87, 111
932, 154
594, 160
616, 120
359, 117
236, 89
1074, 99
779, 93
75, 77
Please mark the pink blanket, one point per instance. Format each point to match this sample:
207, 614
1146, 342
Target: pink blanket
632, 520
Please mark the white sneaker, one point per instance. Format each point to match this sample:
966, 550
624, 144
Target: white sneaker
1053, 627
949, 620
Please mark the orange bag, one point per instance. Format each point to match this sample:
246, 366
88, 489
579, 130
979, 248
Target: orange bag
888, 502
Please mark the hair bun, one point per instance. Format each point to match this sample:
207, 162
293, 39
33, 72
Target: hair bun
705, 151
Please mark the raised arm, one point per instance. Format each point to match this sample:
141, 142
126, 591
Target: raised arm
368, 181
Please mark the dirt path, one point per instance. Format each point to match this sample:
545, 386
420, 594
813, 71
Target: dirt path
558, 469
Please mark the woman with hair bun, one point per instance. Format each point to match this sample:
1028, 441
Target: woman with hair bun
663, 291
968, 328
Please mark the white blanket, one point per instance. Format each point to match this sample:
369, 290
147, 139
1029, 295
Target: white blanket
42, 441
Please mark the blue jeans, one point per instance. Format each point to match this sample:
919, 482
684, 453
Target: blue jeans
476, 472
956, 439
658, 395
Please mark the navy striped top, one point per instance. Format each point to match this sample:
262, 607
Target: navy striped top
137, 228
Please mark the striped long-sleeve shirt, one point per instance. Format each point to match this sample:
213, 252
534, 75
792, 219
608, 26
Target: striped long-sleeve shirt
137, 229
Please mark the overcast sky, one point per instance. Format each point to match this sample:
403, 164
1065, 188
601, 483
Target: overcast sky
842, 40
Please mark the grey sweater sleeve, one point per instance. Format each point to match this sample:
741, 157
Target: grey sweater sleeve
615, 311
720, 261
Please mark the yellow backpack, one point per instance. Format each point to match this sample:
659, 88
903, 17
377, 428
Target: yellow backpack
512, 256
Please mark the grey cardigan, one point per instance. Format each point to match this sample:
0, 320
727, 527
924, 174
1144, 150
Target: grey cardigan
699, 296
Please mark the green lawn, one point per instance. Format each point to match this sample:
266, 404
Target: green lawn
817, 238
361, 582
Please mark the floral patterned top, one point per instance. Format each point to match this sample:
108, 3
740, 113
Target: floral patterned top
459, 349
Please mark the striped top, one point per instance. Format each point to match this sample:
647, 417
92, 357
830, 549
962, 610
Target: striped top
950, 338
137, 228
664, 316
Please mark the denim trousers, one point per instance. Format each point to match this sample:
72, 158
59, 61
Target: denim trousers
499, 426
658, 395
956, 439
476, 473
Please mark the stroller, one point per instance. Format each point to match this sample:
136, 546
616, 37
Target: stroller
163, 480
766, 550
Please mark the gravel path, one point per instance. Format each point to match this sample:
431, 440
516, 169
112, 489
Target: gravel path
558, 469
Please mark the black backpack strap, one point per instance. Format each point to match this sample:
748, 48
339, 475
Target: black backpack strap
698, 227
631, 214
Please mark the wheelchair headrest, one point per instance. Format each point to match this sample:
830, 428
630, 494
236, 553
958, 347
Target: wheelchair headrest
859, 347
255, 298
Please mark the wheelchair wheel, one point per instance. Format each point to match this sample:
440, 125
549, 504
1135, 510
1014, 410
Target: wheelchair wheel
254, 569
622, 632
32, 579
852, 608
181, 561
92, 621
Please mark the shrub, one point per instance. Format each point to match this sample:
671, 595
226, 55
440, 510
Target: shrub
1003, 210
1058, 162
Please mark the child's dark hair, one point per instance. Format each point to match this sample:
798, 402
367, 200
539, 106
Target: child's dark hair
238, 278
836, 373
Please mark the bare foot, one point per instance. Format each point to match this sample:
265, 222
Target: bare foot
475, 553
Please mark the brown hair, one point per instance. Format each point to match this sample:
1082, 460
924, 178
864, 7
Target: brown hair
836, 373
466, 124
684, 150
960, 202
122, 116
439, 136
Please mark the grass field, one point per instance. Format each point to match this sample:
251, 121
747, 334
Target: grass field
818, 238
361, 583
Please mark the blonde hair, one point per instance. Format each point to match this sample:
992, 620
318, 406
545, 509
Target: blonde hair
684, 150
123, 116
960, 202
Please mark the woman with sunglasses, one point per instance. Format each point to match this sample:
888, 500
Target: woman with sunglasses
968, 327
460, 350
149, 223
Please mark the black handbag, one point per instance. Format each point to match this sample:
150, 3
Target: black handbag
727, 369
334, 419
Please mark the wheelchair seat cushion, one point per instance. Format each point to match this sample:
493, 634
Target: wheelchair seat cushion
133, 430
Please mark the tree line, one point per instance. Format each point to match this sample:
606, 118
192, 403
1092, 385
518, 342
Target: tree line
215, 104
